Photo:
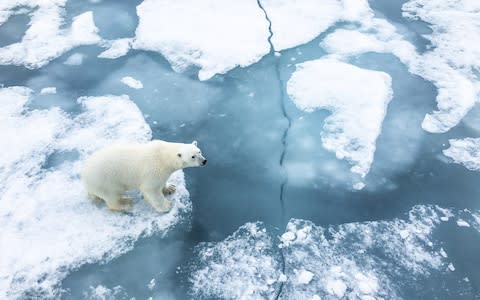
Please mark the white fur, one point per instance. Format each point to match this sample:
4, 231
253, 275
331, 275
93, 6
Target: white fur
112, 171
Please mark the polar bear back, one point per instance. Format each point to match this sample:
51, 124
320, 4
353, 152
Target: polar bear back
128, 166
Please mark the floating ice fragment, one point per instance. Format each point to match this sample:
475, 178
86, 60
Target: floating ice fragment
304, 277
151, 284
465, 152
132, 82
357, 109
49, 90
462, 223
451, 267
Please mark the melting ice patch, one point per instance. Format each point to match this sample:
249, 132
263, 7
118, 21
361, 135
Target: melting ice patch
47, 222
45, 39
358, 100
215, 35
465, 152
132, 82
355, 260
243, 266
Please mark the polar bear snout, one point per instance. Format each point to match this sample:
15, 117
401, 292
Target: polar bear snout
204, 162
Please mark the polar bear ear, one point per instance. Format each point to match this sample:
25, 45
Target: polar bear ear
179, 154
194, 143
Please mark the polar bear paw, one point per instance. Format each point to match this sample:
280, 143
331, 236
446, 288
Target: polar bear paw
169, 189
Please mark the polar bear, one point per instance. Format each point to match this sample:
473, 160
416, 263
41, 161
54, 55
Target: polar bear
112, 171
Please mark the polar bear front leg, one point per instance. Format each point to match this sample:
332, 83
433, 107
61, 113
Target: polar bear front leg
169, 189
158, 201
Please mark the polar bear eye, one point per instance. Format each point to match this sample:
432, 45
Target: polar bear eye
193, 156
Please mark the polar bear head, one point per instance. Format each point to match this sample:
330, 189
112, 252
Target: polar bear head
191, 155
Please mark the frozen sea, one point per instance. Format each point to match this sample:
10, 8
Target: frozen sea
343, 140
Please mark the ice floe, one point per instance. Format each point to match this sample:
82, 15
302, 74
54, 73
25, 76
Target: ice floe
48, 90
116, 48
47, 222
214, 36
357, 109
465, 152
450, 64
368, 260
46, 38
132, 82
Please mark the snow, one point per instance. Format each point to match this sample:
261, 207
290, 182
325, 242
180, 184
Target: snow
75, 59
214, 36
132, 82
116, 48
49, 225
465, 152
49, 90
357, 109
45, 39
336, 287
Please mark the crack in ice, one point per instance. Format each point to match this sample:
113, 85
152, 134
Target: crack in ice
284, 135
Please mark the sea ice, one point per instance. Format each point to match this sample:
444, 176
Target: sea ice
355, 260
465, 152
49, 225
239, 267
449, 64
45, 39
357, 109
214, 35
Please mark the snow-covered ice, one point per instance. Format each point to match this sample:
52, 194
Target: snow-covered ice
357, 109
225, 35
49, 225
465, 152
